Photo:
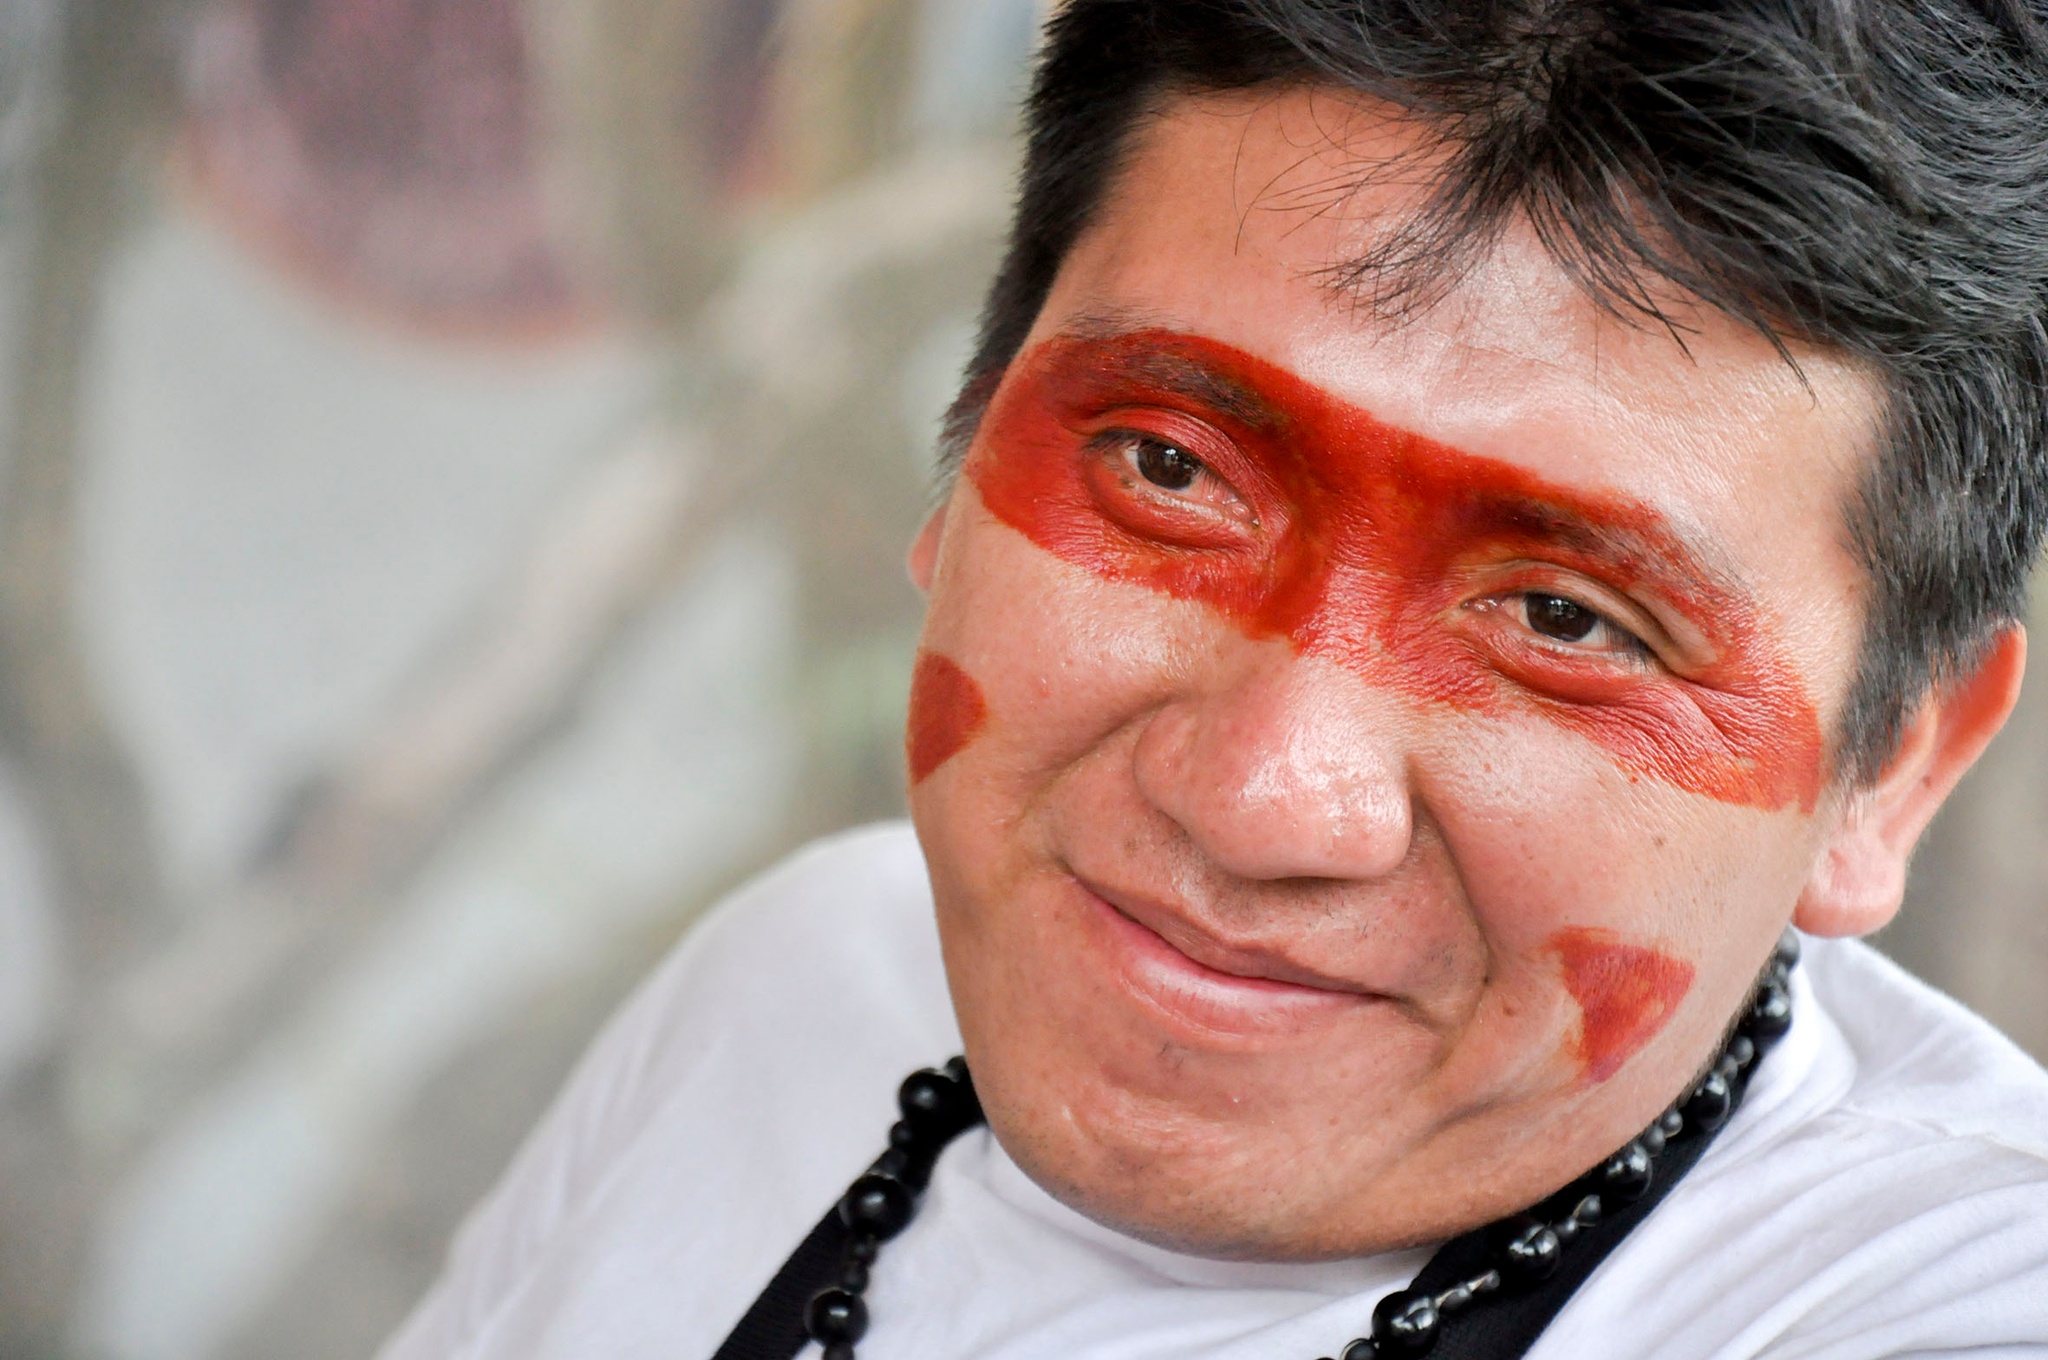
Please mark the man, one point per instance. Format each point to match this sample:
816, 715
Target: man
1466, 521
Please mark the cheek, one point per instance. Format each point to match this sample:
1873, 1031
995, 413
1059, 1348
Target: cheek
1544, 829
1063, 658
1548, 832
947, 711
1607, 903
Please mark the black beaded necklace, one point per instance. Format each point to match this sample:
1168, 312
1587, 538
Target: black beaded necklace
1526, 1266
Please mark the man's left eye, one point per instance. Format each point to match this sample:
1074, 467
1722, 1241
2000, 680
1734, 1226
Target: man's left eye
1556, 617
1566, 620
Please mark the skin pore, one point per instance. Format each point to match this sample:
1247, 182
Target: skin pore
1363, 765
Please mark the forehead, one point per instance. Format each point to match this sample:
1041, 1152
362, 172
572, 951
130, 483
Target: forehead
1230, 216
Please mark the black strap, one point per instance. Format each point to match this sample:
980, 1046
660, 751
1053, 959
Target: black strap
1506, 1326
773, 1329
1502, 1327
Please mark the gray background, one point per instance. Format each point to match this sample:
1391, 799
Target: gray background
455, 461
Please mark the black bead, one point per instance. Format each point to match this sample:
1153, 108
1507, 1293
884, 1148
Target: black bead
910, 1156
1455, 1299
1742, 1050
933, 1101
1672, 1123
1564, 1203
1362, 1349
1651, 1140
1706, 1109
1404, 1324
1770, 1015
1786, 955
1531, 1253
923, 1094
878, 1206
853, 1277
835, 1315
1587, 1211
863, 1249
1627, 1174
956, 1068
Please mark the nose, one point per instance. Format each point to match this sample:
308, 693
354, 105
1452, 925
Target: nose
1295, 769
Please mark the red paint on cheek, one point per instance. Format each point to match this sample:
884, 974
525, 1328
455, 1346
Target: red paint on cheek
1362, 543
946, 713
1625, 994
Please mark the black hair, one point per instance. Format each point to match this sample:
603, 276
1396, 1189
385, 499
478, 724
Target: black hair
1867, 176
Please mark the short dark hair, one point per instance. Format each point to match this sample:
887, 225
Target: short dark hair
1869, 176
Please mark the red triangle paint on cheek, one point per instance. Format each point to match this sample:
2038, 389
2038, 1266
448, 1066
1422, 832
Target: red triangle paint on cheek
947, 712
1625, 994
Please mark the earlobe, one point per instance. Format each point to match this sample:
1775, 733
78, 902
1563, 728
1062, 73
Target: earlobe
924, 549
1860, 877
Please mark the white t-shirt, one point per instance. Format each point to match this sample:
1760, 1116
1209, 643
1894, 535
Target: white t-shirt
1883, 1190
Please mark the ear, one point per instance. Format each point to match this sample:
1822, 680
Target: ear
924, 549
1860, 878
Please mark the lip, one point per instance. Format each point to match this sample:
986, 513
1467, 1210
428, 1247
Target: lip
1209, 985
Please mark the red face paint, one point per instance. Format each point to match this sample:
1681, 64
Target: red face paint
1361, 543
1625, 994
946, 712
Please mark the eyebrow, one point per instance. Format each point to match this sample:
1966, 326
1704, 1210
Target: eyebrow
1661, 552
1179, 374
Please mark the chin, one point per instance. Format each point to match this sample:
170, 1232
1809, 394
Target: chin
1205, 1184
1282, 1173
1192, 1200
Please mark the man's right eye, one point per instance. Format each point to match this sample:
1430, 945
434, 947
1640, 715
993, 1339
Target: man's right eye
1165, 466
1155, 488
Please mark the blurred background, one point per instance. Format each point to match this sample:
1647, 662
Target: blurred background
455, 463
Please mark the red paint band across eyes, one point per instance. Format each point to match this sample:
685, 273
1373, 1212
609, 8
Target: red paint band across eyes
1358, 540
946, 712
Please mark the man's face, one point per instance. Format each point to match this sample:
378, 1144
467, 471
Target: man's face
1364, 765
